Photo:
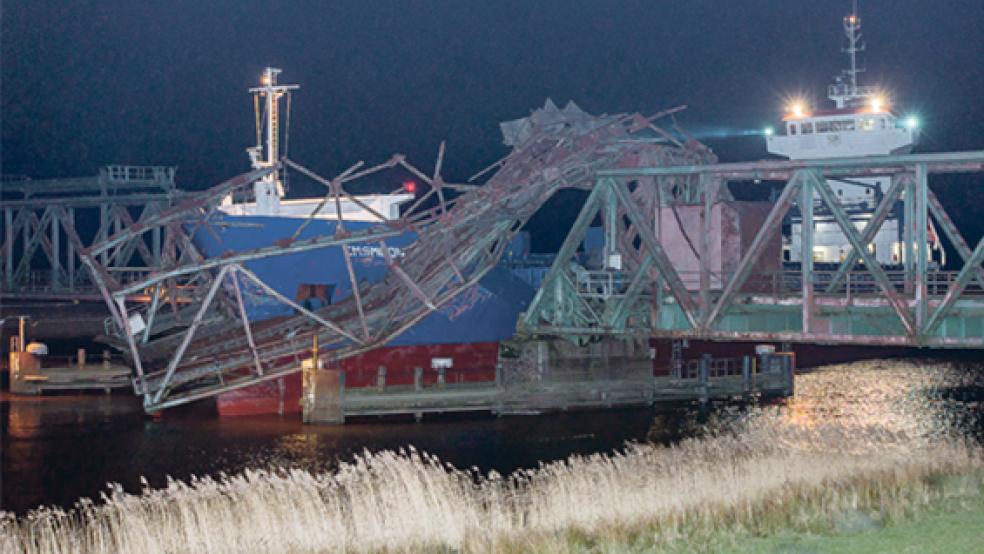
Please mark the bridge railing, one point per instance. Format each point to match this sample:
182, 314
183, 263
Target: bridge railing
789, 282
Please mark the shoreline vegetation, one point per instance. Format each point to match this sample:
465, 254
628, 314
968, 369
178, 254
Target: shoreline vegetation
861, 449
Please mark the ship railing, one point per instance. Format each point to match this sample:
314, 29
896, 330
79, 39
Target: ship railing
844, 90
141, 175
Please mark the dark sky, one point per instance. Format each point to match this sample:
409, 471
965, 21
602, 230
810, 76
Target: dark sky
88, 83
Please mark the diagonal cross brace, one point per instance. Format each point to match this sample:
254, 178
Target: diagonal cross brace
189, 334
969, 271
614, 312
897, 303
274, 293
951, 232
870, 230
770, 227
567, 250
663, 264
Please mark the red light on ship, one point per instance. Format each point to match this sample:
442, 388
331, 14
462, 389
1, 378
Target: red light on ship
410, 186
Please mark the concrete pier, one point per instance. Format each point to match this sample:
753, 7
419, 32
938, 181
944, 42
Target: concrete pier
324, 394
538, 376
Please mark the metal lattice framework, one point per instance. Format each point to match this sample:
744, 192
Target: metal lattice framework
462, 232
859, 303
42, 230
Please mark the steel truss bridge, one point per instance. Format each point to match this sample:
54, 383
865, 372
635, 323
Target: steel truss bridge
859, 303
46, 224
631, 168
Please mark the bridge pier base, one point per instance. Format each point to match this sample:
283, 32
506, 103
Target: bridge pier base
324, 394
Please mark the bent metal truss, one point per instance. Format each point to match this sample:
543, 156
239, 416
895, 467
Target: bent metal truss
197, 340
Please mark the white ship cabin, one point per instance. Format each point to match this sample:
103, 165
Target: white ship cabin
267, 198
866, 130
869, 130
861, 124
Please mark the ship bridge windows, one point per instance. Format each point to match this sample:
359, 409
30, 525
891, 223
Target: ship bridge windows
792, 128
868, 124
835, 126
807, 128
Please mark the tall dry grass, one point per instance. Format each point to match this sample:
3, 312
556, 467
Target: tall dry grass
857, 438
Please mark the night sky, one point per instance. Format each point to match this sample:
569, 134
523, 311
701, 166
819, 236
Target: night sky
89, 83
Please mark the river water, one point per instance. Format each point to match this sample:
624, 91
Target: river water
58, 449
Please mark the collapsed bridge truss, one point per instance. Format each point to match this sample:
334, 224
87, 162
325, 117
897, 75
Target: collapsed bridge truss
208, 344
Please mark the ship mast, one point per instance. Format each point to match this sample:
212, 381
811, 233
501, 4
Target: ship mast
268, 190
851, 93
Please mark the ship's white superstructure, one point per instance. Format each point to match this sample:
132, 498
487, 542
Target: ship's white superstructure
862, 123
268, 193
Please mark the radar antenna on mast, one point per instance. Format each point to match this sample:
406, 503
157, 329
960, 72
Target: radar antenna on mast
851, 93
268, 190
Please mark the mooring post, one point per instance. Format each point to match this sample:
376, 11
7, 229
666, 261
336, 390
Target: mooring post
789, 367
676, 359
703, 371
746, 373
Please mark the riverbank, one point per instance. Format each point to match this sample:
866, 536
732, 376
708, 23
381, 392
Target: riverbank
946, 515
943, 529
694, 496
859, 449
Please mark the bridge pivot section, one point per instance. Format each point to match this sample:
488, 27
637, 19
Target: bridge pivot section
695, 264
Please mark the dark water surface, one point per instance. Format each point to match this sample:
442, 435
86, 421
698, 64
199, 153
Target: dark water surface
57, 449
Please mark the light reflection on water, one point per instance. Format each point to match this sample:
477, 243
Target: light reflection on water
58, 449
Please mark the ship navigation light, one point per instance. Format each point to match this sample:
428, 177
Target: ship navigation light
912, 122
797, 109
878, 103
768, 131
410, 186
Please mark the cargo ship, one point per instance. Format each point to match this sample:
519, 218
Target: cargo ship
461, 338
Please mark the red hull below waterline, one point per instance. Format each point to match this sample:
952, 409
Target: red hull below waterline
469, 363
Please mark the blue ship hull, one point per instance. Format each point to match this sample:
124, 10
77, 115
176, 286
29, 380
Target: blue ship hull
486, 312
